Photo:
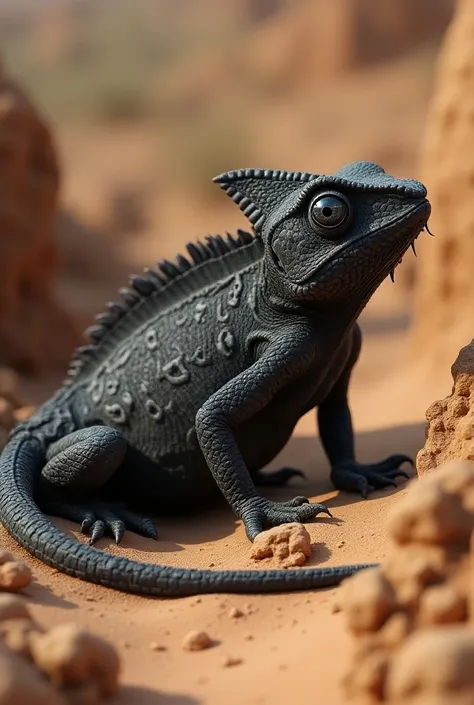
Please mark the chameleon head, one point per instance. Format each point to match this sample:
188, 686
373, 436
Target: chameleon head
329, 238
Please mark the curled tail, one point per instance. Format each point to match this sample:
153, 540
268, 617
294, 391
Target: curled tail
20, 465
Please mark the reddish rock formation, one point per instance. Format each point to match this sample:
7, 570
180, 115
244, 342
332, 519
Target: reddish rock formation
413, 617
35, 333
444, 296
450, 428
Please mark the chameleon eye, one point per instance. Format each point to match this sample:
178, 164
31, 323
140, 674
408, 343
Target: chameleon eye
329, 214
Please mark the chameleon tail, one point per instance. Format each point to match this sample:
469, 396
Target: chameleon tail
20, 465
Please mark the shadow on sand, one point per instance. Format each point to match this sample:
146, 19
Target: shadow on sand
304, 453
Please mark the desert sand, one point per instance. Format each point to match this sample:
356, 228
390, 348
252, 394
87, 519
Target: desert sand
292, 647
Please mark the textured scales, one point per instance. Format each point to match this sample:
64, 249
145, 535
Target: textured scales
153, 288
196, 379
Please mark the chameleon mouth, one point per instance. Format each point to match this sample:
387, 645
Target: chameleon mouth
402, 231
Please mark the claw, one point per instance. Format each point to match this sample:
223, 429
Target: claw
392, 276
428, 230
364, 487
87, 523
118, 529
413, 248
149, 529
324, 510
98, 530
297, 501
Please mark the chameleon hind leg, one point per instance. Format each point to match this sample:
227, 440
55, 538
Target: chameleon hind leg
78, 466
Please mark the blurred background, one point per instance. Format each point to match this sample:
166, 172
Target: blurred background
115, 115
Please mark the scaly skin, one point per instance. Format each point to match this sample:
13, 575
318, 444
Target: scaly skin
196, 380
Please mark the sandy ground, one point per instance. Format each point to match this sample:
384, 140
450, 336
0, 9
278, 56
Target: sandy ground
293, 647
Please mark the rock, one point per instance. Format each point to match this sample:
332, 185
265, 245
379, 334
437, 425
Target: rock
16, 634
21, 683
235, 613
29, 183
368, 599
229, 661
366, 679
196, 641
155, 646
289, 544
429, 514
445, 286
395, 630
421, 567
450, 428
442, 604
14, 575
72, 657
412, 616
433, 662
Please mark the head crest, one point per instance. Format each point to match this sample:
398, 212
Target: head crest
258, 192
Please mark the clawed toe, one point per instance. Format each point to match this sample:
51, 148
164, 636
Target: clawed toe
357, 477
259, 513
100, 519
115, 522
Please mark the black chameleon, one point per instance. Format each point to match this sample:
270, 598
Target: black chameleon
196, 379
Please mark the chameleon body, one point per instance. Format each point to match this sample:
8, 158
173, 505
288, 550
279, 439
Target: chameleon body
196, 379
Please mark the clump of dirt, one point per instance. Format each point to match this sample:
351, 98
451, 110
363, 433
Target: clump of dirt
288, 544
450, 429
196, 641
29, 184
413, 617
12, 409
445, 285
14, 573
63, 666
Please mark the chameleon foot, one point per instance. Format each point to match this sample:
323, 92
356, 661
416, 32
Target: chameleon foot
278, 478
98, 519
258, 513
365, 478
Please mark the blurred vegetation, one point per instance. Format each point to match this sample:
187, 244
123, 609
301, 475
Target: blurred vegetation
89, 61
205, 73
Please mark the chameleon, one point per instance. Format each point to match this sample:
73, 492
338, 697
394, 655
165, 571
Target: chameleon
195, 380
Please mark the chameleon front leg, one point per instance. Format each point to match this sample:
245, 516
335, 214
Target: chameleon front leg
217, 420
337, 437
78, 466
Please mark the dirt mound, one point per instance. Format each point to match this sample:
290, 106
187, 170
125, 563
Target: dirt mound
288, 544
35, 333
444, 296
63, 666
449, 433
413, 616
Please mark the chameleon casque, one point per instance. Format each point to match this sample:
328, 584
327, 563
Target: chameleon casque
197, 378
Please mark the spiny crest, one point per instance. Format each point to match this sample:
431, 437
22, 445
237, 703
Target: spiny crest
258, 191
152, 280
